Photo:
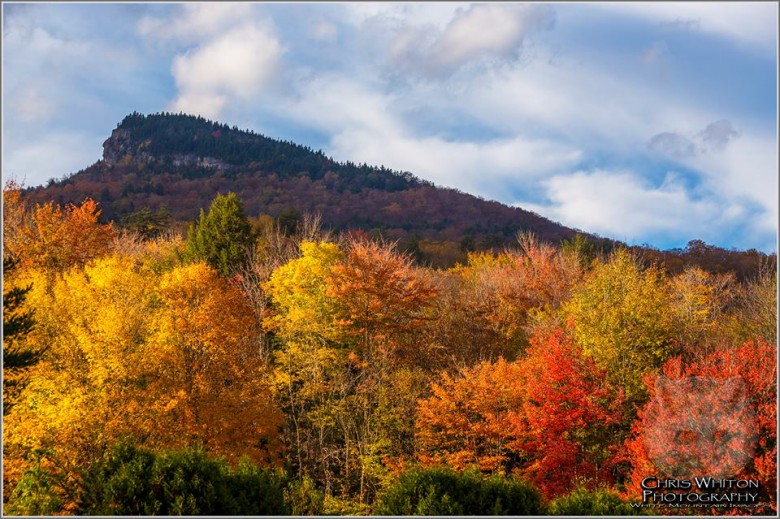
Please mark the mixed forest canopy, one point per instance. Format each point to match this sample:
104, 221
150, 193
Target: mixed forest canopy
271, 365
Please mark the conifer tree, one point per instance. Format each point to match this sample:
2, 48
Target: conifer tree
222, 237
17, 322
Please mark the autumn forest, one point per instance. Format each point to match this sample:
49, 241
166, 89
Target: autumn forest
253, 366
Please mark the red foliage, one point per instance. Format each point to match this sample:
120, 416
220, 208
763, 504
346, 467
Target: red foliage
568, 417
716, 417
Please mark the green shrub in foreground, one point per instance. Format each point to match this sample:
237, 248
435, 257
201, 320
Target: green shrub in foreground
35, 494
440, 491
587, 502
133, 481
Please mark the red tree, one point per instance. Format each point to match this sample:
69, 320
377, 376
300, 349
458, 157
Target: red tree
716, 417
568, 419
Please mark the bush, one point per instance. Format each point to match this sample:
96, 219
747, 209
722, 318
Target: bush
303, 498
444, 492
585, 502
132, 481
35, 494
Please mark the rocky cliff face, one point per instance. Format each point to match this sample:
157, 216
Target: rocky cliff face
116, 147
121, 148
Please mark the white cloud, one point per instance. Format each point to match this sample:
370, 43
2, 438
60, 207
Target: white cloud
751, 23
364, 128
437, 40
745, 170
474, 96
738, 166
618, 204
484, 168
487, 30
237, 63
195, 21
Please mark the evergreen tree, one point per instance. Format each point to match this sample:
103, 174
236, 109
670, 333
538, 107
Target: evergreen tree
222, 237
16, 324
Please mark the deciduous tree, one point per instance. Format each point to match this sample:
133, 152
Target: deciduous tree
570, 420
716, 416
471, 418
210, 386
56, 238
621, 317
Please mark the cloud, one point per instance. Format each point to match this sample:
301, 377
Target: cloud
715, 137
436, 44
738, 172
194, 21
481, 97
31, 160
739, 168
365, 127
672, 144
751, 23
238, 63
619, 204
487, 30
745, 171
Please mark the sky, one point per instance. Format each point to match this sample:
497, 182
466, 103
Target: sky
651, 123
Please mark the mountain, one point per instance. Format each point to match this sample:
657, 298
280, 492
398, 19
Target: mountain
178, 163
182, 162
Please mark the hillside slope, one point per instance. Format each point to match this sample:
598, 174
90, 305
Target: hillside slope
182, 162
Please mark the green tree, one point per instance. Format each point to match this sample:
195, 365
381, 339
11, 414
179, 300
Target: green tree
223, 237
37, 492
17, 323
146, 223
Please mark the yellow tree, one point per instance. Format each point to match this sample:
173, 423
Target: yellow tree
699, 301
165, 359
298, 291
621, 316
80, 397
309, 363
208, 382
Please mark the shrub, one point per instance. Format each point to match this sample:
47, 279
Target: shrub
439, 491
35, 494
587, 502
132, 481
303, 498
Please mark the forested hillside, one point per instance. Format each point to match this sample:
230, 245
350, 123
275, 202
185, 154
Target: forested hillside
159, 170
276, 367
181, 162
